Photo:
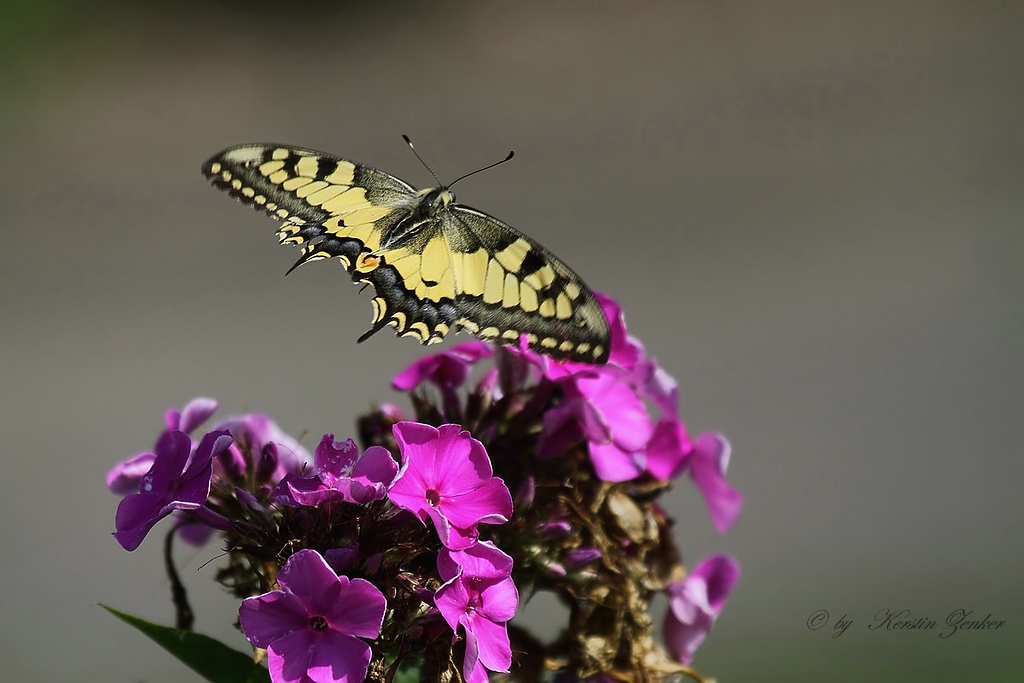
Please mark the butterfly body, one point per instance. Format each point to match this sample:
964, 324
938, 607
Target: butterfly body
435, 265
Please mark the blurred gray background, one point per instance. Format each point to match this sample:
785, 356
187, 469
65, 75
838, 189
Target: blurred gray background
811, 213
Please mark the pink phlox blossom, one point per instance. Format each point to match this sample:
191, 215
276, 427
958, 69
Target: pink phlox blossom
446, 476
342, 474
449, 368
313, 627
610, 415
480, 596
178, 480
695, 603
284, 456
124, 477
195, 413
671, 452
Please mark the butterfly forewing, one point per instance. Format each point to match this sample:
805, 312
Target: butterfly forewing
434, 265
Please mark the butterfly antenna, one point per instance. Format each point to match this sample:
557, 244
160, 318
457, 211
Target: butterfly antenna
409, 142
481, 170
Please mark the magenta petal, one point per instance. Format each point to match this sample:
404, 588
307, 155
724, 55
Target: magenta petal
623, 411
338, 658
413, 435
172, 454
136, 515
669, 449
695, 603
407, 493
194, 534
460, 461
719, 573
494, 649
709, 461
195, 413
563, 428
309, 491
451, 536
124, 477
452, 600
683, 639
376, 466
490, 503
473, 669
484, 561
307, 576
662, 388
614, 464
500, 601
335, 459
358, 609
447, 567
268, 617
446, 369
288, 656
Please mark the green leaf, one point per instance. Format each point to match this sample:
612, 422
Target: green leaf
410, 671
211, 659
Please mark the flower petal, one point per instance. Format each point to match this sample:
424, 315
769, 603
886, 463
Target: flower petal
669, 449
195, 413
614, 464
338, 658
358, 609
490, 503
271, 616
709, 461
288, 657
124, 477
307, 576
494, 649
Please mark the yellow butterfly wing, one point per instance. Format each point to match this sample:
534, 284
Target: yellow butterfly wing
434, 264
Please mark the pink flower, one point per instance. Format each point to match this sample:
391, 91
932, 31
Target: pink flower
695, 603
342, 474
479, 595
446, 476
671, 451
195, 413
312, 627
450, 368
124, 477
178, 480
281, 454
607, 411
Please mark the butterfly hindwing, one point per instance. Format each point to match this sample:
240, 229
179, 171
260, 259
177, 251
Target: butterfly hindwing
434, 264
509, 286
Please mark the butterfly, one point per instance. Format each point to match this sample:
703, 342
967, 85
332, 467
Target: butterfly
434, 265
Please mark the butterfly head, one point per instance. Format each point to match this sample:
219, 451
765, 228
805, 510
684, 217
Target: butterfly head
436, 200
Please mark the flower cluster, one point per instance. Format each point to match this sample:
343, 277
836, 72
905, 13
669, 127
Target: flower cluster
410, 553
